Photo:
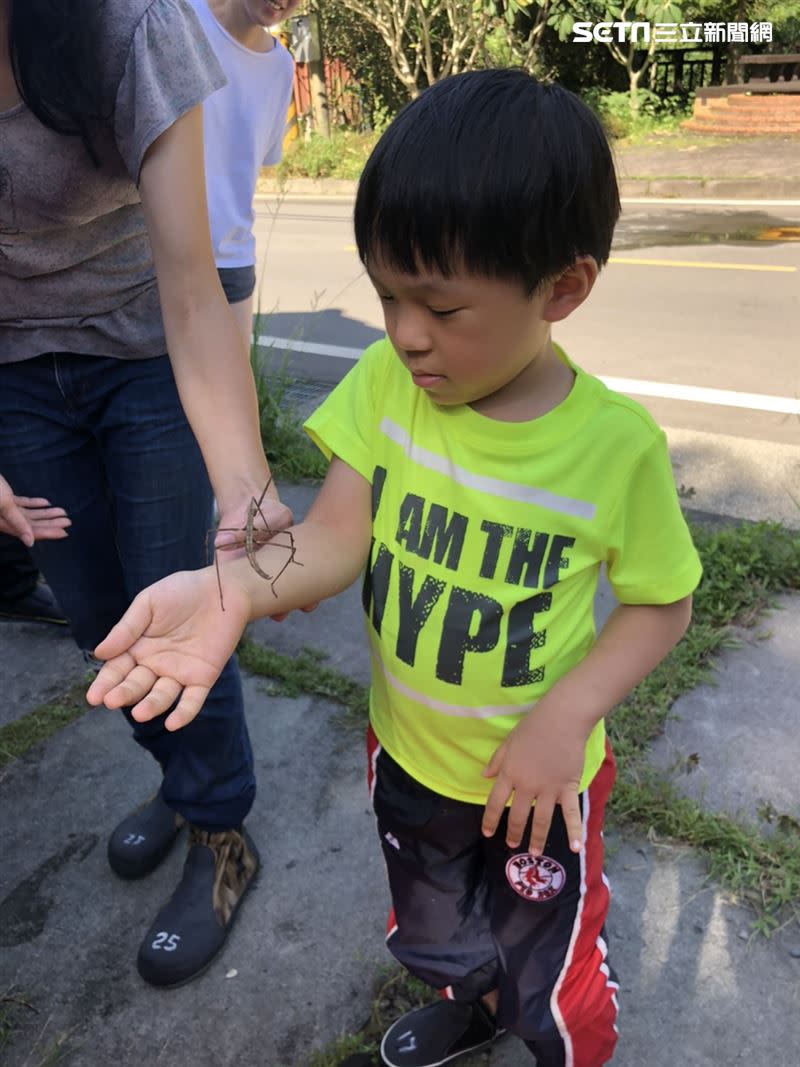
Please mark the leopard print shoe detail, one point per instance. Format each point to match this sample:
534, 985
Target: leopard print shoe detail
193, 925
236, 864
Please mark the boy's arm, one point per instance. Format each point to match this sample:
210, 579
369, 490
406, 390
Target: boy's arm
175, 639
542, 759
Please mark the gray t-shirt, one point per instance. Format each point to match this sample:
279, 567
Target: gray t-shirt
76, 268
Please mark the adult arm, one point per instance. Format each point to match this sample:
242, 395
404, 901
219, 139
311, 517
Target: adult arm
211, 367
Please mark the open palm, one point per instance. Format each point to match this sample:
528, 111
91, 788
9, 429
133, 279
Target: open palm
170, 645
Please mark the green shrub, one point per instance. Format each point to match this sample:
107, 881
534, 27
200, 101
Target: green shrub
342, 155
292, 455
653, 112
349, 38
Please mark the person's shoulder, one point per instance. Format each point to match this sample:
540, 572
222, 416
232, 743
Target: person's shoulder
629, 411
281, 64
203, 12
119, 21
620, 415
120, 18
378, 358
375, 373
380, 349
281, 52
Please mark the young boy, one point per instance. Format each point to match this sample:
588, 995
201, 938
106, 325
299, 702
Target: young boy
243, 128
483, 478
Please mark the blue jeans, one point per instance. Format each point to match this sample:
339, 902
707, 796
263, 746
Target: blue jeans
108, 440
19, 575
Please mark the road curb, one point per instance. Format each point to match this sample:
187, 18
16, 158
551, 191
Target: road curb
314, 188
655, 187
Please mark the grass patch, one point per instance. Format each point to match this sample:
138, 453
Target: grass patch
394, 993
306, 673
744, 567
45, 720
13, 1005
670, 136
292, 455
763, 871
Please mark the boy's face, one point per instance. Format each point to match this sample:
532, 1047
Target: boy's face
468, 337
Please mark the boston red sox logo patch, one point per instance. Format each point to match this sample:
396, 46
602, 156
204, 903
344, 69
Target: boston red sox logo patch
535, 878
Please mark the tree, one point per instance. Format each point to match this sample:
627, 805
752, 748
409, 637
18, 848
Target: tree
429, 39
784, 15
363, 52
635, 55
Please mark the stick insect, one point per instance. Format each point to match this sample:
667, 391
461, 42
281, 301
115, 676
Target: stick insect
254, 538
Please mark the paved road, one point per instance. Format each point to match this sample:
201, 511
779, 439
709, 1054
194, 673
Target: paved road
699, 296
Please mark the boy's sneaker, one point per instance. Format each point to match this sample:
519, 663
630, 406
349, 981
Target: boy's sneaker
143, 838
437, 1034
192, 926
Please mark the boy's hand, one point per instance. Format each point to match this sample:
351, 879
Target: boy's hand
173, 641
541, 760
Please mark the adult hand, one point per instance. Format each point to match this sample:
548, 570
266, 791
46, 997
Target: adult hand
173, 641
30, 518
269, 515
540, 763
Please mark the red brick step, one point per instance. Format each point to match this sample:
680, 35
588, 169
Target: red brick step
741, 114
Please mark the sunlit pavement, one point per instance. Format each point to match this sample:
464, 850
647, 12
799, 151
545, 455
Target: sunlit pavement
695, 298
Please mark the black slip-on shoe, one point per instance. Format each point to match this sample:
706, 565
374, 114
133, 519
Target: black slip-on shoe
192, 926
437, 1034
143, 838
38, 606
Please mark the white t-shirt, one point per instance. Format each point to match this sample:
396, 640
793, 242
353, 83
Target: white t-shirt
244, 124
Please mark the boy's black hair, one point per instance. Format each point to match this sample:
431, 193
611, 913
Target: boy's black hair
492, 172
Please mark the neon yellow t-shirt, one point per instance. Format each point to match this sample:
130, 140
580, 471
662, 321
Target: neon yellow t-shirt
487, 541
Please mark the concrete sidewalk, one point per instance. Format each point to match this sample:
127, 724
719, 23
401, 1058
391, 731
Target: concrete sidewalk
696, 989
761, 168
753, 168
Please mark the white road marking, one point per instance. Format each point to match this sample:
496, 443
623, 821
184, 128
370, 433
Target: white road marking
702, 201
289, 344
784, 405
668, 201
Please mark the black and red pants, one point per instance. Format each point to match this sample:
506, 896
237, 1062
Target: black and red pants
471, 915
